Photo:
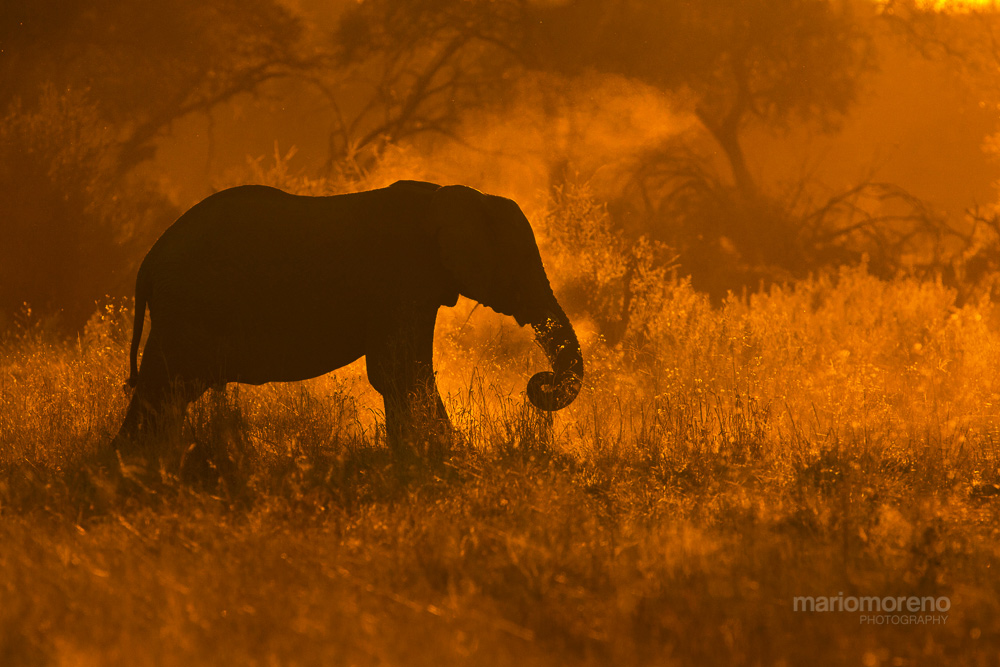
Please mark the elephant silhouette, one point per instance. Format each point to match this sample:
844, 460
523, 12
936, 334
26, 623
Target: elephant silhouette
256, 285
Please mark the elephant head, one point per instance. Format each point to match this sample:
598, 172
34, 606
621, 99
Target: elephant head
487, 247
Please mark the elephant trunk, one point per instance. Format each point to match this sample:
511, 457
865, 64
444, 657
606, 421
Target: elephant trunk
555, 389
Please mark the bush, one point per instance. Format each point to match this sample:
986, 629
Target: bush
74, 228
599, 273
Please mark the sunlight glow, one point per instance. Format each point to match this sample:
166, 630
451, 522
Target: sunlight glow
959, 5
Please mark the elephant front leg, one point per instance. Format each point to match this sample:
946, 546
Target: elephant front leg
413, 407
401, 369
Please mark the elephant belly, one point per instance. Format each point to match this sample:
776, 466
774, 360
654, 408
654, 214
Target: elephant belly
268, 342
256, 359
284, 351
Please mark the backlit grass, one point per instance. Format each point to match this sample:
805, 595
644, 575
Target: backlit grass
838, 437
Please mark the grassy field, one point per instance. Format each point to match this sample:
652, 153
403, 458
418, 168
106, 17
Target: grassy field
836, 438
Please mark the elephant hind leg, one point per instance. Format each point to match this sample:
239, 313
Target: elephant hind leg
159, 399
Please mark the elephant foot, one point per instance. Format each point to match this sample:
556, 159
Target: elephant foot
431, 437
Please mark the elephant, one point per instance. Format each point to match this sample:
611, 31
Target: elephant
256, 285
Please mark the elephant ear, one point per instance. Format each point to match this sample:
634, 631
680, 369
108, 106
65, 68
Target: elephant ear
467, 242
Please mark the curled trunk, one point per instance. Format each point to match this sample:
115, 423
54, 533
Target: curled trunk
555, 389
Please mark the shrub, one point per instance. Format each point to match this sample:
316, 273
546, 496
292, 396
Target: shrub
74, 228
600, 273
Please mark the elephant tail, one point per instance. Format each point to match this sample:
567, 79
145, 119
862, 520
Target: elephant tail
137, 324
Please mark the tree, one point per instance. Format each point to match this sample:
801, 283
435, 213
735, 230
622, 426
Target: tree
740, 61
967, 39
72, 227
89, 87
736, 65
147, 65
403, 70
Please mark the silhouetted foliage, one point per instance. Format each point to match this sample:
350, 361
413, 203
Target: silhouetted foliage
740, 62
89, 86
975, 271
738, 66
603, 274
968, 41
147, 65
727, 240
72, 226
405, 70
